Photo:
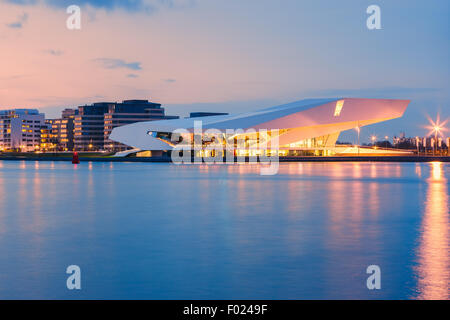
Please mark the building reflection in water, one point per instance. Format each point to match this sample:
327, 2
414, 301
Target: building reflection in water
433, 269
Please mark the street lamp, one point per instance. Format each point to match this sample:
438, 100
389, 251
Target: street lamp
437, 127
358, 129
373, 138
436, 130
417, 144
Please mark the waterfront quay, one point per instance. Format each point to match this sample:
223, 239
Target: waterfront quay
97, 157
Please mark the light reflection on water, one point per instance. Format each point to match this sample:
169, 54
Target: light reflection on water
160, 231
433, 253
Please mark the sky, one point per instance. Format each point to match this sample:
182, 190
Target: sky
227, 55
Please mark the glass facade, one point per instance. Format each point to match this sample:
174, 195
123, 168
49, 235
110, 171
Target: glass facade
248, 143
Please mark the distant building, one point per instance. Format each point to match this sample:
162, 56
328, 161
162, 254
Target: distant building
127, 112
62, 131
206, 114
94, 123
20, 129
89, 126
48, 143
426, 145
69, 113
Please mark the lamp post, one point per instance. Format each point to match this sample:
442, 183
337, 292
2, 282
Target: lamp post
437, 127
358, 129
373, 138
417, 144
436, 130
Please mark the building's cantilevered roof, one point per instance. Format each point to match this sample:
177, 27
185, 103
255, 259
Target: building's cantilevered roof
304, 119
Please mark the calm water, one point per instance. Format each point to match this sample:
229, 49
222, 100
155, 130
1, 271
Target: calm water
161, 231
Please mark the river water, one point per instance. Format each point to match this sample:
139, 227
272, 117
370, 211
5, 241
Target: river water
162, 231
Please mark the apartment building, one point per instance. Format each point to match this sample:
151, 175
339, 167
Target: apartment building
89, 126
127, 112
62, 131
20, 129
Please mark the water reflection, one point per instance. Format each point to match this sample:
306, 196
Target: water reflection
225, 231
419, 170
433, 268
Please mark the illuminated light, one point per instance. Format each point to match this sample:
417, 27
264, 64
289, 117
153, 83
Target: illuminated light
339, 106
436, 127
436, 171
433, 260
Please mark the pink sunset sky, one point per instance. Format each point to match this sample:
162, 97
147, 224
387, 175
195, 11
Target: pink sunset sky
225, 56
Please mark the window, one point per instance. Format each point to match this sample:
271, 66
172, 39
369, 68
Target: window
338, 109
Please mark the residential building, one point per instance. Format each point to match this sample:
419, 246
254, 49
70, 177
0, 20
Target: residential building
94, 123
62, 131
89, 126
20, 129
48, 143
69, 113
127, 112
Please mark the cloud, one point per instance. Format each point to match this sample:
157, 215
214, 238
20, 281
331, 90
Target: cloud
21, 2
146, 6
132, 75
129, 5
55, 52
179, 3
14, 77
169, 80
108, 63
19, 23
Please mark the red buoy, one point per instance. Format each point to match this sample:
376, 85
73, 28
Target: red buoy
75, 159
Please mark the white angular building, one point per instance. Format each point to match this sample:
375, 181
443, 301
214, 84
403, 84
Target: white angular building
306, 127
